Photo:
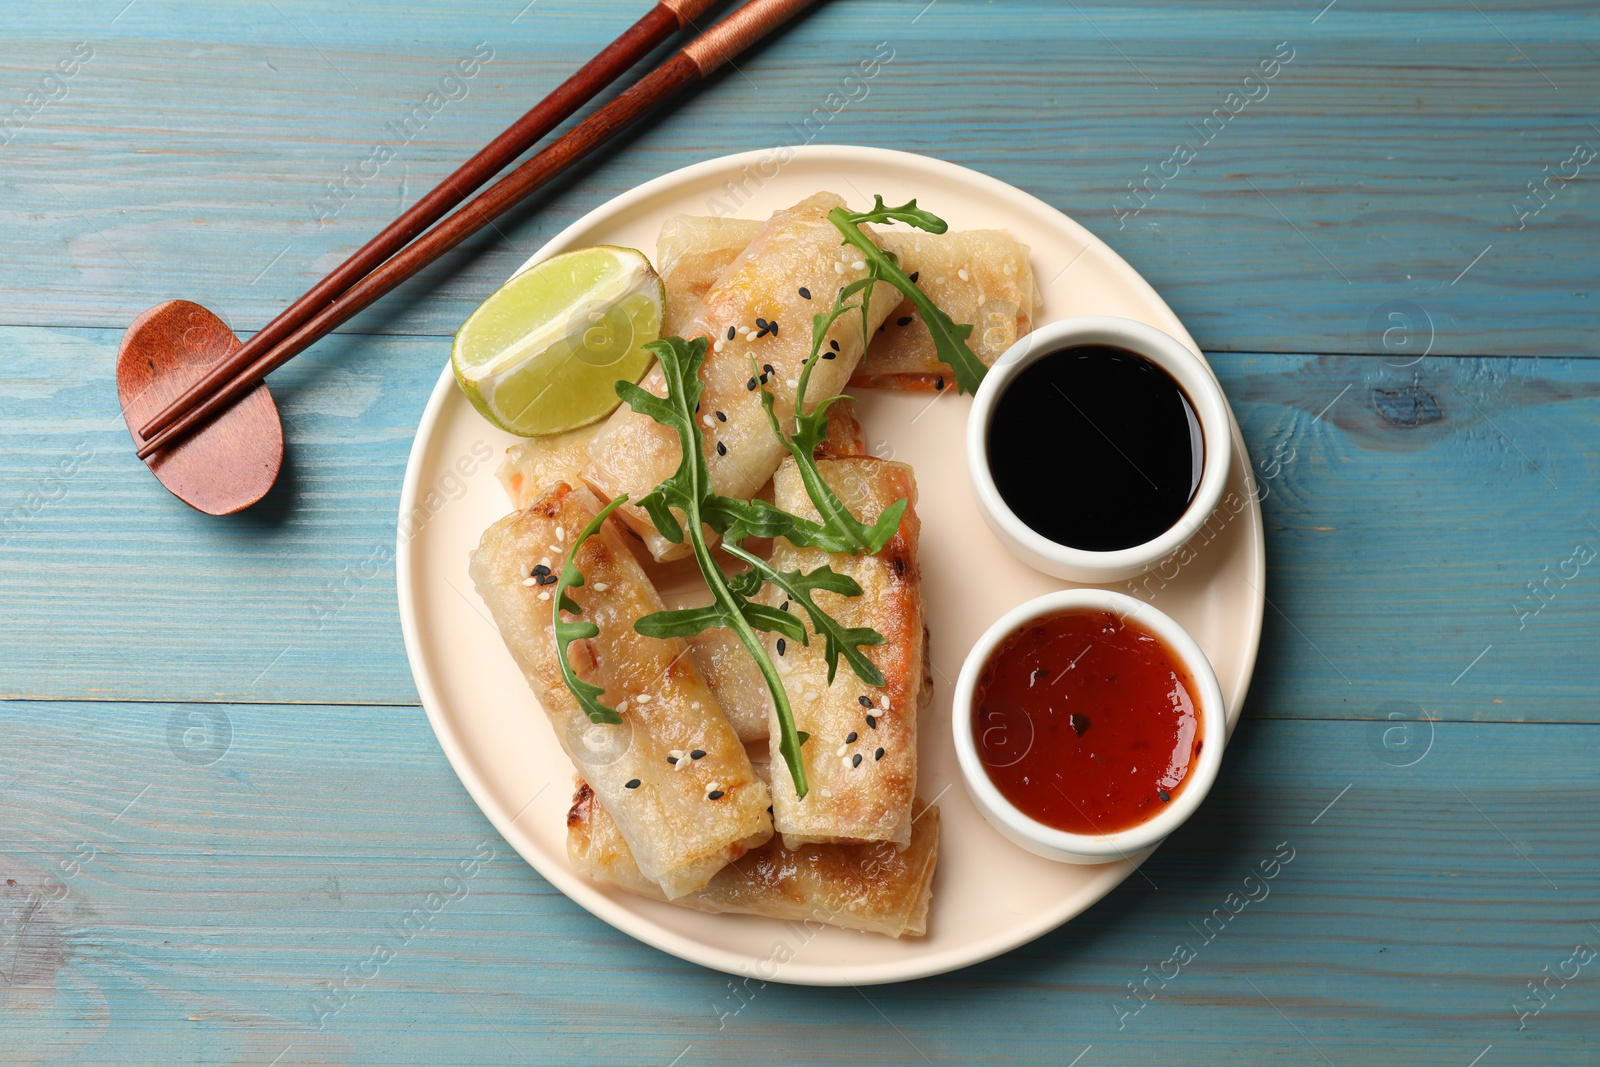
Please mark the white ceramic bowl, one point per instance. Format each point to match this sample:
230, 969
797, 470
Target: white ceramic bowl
1047, 841
1190, 372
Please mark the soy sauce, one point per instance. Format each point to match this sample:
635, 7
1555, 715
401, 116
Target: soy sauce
1096, 448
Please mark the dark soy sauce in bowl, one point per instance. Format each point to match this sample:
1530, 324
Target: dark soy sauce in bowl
1096, 448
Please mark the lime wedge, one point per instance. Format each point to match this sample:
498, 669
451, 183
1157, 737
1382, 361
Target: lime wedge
540, 356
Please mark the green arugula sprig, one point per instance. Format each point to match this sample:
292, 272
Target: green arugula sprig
949, 337
587, 694
689, 490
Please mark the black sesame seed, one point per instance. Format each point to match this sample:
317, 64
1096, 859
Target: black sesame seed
915, 275
834, 345
750, 385
733, 331
903, 320
761, 322
715, 794
872, 721
721, 417
698, 753
781, 646
633, 783
938, 383
672, 760
828, 355
850, 739
855, 761
722, 449
784, 606
865, 702
540, 570
546, 579
878, 754
805, 292
1165, 796
774, 325
768, 368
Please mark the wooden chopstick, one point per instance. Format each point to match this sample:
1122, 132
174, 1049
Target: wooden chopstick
699, 58
661, 22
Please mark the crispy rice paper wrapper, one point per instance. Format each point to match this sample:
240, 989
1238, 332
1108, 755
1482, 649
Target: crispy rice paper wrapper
876, 888
861, 758
981, 277
674, 774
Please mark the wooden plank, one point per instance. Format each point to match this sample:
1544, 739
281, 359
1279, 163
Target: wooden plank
1408, 511
1414, 906
192, 158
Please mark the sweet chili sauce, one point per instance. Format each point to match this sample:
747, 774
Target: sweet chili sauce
1087, 722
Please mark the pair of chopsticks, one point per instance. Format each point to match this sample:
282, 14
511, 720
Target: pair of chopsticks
393, 256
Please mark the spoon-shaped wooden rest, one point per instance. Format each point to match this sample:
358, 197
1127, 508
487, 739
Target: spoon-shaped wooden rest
227, 464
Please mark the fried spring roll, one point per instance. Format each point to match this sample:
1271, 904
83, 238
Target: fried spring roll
876, 887
998, 294
861, 757
674, 774
794, 253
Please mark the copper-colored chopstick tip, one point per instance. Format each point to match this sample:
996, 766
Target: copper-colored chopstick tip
687, 10
739, 31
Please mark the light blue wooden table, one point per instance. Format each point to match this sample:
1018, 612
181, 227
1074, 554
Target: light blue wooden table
217, 791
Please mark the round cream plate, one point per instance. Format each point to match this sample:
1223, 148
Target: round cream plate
988, 895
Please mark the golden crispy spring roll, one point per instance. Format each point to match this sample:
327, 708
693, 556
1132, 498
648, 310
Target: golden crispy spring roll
978, 276
875, 887
674, 774
757, 309
861, 758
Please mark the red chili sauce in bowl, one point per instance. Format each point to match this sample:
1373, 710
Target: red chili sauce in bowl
1087, 722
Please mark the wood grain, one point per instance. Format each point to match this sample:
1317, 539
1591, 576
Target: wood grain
1387, 574
298, 807
1401, 931
1398, 169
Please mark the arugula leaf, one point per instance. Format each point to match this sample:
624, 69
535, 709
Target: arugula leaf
838, 640
587, 694
689, 490
949, 337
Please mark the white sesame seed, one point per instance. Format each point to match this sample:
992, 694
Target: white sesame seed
883, 702
982, 299
712, 787
555, 548
561, 535
838, 268
812, 694
643, 698
842, 750
708, 420
749, 335
675, 753
622, 706
845, 761
544, 561
1008, 270
718, 346
793, 383
601, 587
963, 275
544, 596
827, 792
859, 264
530, 581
